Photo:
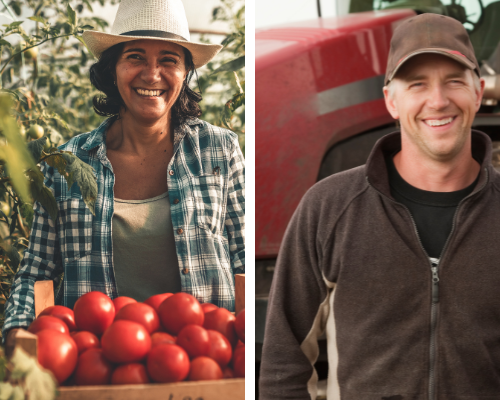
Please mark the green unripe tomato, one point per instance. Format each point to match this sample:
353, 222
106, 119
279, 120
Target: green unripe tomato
47, 145
22, 131
35, 131
31, 53
5, 208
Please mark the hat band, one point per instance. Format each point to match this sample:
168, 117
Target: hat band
153, 33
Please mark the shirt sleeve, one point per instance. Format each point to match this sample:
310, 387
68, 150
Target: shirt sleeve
39, 263
297, 311
235, 213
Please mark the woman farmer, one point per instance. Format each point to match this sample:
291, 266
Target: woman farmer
169, 213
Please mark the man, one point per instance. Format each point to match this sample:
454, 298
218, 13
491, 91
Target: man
398, 261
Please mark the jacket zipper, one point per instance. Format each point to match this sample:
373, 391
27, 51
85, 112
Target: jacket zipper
435, 284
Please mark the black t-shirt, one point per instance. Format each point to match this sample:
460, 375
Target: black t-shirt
432, 212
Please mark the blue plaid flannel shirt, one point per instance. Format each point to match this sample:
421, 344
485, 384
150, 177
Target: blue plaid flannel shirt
206, 175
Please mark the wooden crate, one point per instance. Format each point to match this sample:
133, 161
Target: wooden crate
226, 389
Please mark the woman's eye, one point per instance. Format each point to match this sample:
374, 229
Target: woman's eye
134, 57
169, 60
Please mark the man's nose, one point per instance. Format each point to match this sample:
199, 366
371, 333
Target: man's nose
438, 97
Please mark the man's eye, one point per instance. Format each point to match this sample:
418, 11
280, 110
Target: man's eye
416, 84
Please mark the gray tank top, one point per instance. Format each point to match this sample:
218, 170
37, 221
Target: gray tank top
144, 256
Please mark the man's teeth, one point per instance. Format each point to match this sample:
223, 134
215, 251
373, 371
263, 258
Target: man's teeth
143, 92
438, 122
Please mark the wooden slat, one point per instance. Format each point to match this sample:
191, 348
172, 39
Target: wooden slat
44, 296
27, 341
239, 283
227, 389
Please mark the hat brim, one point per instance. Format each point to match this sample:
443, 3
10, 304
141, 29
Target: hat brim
445, 52
98, 42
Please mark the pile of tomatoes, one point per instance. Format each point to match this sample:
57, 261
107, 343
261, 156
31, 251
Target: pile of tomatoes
168, 338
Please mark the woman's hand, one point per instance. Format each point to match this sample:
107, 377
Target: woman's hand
10, 343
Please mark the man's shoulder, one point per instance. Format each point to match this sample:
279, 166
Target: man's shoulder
343, 185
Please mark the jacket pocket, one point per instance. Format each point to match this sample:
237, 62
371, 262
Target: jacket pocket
74, 229
209, 202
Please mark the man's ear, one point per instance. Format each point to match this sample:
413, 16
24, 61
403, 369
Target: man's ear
390, 103
479, 94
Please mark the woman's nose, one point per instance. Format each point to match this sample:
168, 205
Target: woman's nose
151, 72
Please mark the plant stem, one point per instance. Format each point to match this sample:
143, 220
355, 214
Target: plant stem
20, 226
30, 47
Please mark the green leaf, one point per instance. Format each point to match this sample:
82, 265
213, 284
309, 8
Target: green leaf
27, 212
40, 384
3, 42
87, 3
71, 15
87, 27
37, 18
16, 155
80, 39
83, 174
233, 65
12, 254
15, 24
6, 391
13, 223
35, 147
44, 196
59, 162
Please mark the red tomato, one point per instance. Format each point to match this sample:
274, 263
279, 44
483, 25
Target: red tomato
157, 299
65, 314
122, 301
142, 314
220, 348
94, 312
168, 363
228, 373
48, 322
221, 320
93, 368
57, 352
125, 342
239, 325
85, 340
161, 337
129, 374
207, 307
195, 340
204, 369
239, 362
179, 310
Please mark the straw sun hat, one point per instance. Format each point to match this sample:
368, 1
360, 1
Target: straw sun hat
151, 19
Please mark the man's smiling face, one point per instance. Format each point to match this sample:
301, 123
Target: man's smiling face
435, 99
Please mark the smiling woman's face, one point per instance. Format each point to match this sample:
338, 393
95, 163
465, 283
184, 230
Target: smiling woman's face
149, 77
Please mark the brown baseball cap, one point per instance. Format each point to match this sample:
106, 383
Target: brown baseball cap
430, 33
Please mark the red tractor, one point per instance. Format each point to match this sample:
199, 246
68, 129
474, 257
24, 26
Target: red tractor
320, 107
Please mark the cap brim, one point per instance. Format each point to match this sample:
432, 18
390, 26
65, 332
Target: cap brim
445, 52
97, 42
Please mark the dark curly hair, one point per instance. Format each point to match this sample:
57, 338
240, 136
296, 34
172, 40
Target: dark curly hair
102, 76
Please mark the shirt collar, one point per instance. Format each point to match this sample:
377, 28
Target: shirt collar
97, 137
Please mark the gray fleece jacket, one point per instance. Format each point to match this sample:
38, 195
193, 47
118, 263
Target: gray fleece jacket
352, 266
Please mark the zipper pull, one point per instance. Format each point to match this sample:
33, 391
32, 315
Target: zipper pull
435, 284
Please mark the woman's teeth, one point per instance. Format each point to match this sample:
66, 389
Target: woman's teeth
438, 122
143, 92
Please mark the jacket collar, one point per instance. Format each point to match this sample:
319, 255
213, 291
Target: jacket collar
376, 170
